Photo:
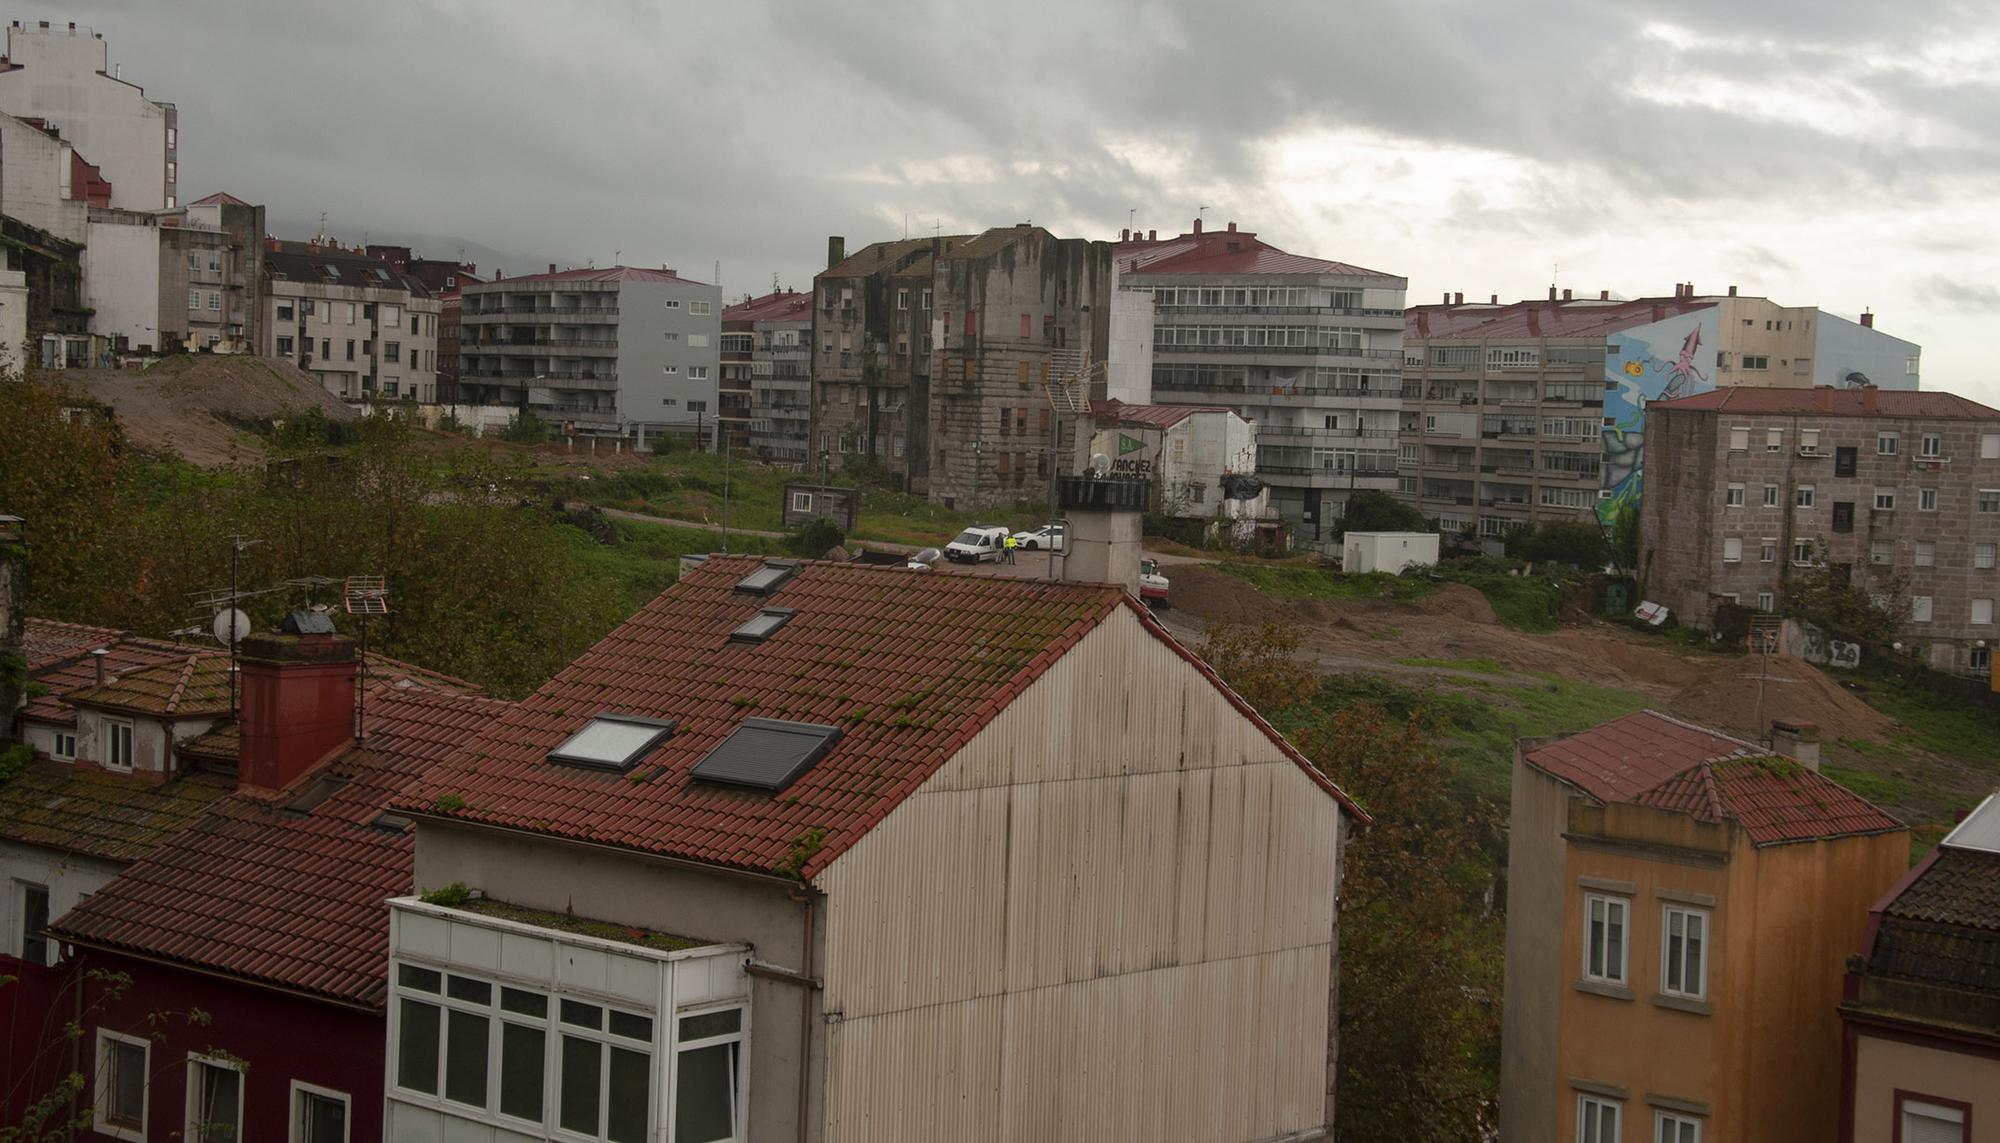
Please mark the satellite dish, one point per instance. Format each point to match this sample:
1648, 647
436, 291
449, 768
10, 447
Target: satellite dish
1100, 464
927, 557
230, 626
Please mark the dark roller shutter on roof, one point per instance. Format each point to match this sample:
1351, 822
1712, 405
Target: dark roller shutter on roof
766, 753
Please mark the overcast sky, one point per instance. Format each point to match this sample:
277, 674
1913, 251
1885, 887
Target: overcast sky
1839, 153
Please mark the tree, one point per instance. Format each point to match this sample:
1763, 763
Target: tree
814, 538
1370, 510
1575, 543
1420, 957
525, 428
1828, 596
1625, 540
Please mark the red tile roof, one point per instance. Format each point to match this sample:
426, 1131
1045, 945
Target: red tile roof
59, 659
1225, 252
607, 274
1827, 401
1152, 416
188, 685
219, 198
1651, 759
909, 665
286, 898
1583, 317
57, 805
785, 305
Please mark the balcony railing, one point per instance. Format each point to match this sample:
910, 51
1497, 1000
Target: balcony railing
1395, 355
1279, 311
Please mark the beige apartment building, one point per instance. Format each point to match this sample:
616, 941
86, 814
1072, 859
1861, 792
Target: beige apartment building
1535, 411
1751, 485
1681, 906
368, 332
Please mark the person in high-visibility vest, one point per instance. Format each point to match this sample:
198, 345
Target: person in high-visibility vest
1009, 548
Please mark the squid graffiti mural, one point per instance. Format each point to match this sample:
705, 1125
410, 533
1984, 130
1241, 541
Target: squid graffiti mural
1637, 374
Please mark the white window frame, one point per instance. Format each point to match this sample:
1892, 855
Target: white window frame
802, 501
1732, 549
1926, 499
1667, 1125
1887, 444
1922, 608
1989, 446
1885, 500
1809, 440
1986, 497
100, 1093
111, 728
1624, 907
63, 748
698, 309
1949, 1116
1739, 438
1974, 616
1733, 496
1984, 556
1774, 440
1767, 601
1924, 554
195, 1062
1770, 496
1767, 551
1667, 958
1807, 496
295, 1132
1585, 1104
1930, 445
740, 1037
18, 906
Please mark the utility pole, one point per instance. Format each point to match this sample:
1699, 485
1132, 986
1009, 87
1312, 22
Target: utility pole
725, 494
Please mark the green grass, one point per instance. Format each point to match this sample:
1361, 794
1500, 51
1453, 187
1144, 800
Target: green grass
1881, 789
1480, 721
1476, 666
646, 557
1934, 720
1297, 581
1880, 751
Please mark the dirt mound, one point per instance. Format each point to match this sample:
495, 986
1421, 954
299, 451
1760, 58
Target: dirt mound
1727, 696
1205, 593
1457, 601
195, 403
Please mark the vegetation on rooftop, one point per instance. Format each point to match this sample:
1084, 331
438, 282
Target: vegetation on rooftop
571, 923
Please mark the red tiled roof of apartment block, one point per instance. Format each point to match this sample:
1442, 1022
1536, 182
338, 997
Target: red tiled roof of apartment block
219, 198
58, 805
1582, 317
1651, 759
60, 661
607, 274
908, 665
1226, 252
290, 895
1827, 401
185, 686
785, 305
1152, 416
45, 640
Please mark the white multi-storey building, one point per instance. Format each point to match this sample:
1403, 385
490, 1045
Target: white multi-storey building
1310, 350
63, 77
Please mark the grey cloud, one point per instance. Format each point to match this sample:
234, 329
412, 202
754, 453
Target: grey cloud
1964, 297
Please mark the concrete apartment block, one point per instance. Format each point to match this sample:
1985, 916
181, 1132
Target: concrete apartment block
1745, 482
367, 332
622, 349
1309, 350
1535, 411
38, 179
64, 77
767, 359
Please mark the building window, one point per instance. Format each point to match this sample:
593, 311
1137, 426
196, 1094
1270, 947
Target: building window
670, 370
392, 352
1982, 612
1604, 938
1885, 444
1885, 499
1597, 1119
1802, 553
319, 1115
284, 347
1989, 446
1880, 551
903, 299
697, 372
1843, 461
1774, 440
1684, 943
1766, 601
64, 747
1733, 498
1768, 552
1980, 659
708, 1087
1982, 557
927, 299
697, 406
1923, 1122
697, 341
120, 1098
214, 301
1926, 553
173, 137
1804, 497
1732, 550
214, 1100
673, 303
1926, 499
194, 299
33, 901
1739, 439
1672, 1127
1920, 609
1809, 440
1932, 445
1770, 496
392, 316
350, 349
1989, 500
698, 309
1756, 362
117, 744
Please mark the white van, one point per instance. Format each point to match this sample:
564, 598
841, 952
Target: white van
976, 544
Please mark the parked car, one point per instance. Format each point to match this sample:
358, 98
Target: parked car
1048, 536
977, 544
1152, 585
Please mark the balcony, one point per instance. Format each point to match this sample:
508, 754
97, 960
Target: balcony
540, 313
1170, 351
549, 380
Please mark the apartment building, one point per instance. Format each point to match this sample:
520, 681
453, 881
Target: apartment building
1535, 411
1309, 350
44, 182
443, 278
1681, 905
183, 280
961, 363
1750, 485
367, 332
63, 76
767, 373
616, 350
693, 860
1921, 1058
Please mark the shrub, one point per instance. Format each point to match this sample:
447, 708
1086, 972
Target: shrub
1370, 510
814, 538
525, 428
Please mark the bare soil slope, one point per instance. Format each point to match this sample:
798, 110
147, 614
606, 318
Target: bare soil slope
187, 403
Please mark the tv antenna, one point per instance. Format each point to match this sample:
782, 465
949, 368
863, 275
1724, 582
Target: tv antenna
230, 623
364, 595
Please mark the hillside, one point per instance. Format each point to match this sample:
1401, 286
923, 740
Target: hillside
196, 405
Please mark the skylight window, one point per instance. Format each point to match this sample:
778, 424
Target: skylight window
768, 578
330, 271
766, 754
612, 742
762, 625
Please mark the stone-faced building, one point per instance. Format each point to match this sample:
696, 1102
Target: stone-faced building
367, 332
935, 357
1749, 486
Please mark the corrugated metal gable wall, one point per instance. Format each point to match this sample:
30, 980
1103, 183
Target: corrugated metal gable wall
1109, 917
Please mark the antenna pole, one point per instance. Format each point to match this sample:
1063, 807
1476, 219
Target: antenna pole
235, 551
725, 493
361, 692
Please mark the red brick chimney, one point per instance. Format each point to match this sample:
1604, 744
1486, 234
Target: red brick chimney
297, 706
1867, 320
1870, 404
1197, 226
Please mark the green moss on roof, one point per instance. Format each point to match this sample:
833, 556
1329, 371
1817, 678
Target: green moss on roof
581, 926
